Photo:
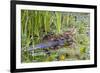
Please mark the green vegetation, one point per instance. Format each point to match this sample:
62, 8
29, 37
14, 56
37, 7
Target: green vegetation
43, 26
58, 21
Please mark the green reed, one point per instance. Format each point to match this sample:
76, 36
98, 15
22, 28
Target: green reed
58, 21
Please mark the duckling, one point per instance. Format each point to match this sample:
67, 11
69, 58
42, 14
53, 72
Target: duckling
62, 57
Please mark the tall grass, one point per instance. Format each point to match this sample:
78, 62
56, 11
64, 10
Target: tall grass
47, 22
58, 21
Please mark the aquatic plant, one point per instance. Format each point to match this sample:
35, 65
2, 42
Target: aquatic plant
58, 21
